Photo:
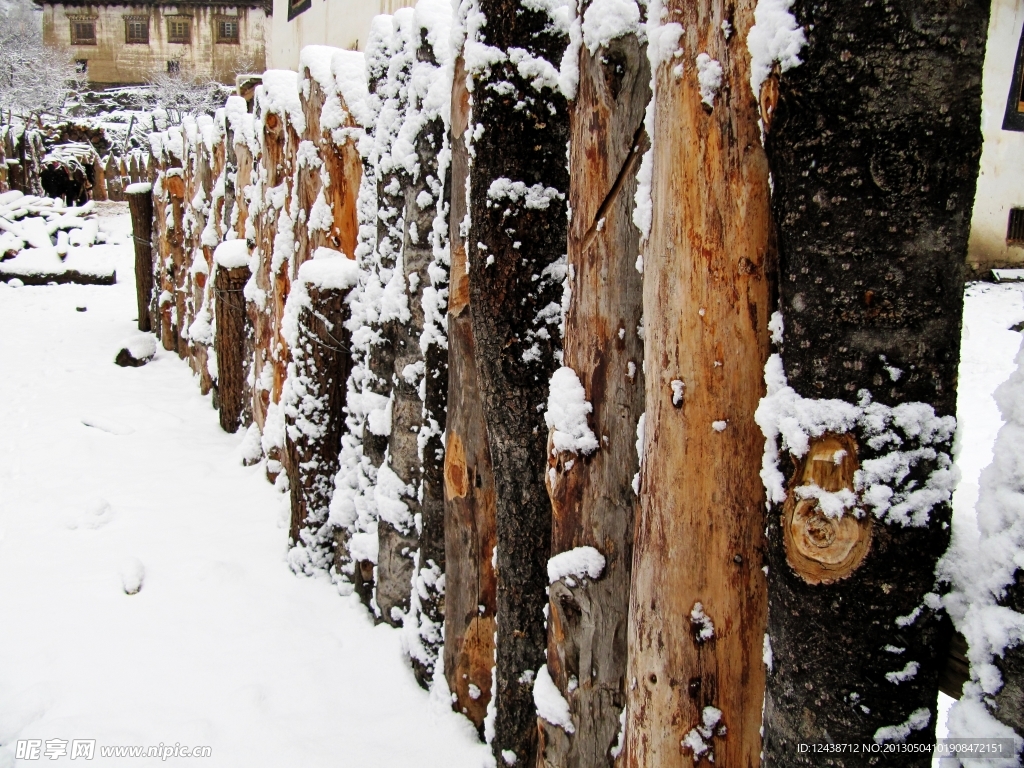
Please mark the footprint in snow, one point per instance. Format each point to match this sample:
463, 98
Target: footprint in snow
133, 573
94, 514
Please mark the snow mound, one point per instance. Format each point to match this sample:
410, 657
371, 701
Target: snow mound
550, 703
567, 414
578, 562
133, 573
232, 254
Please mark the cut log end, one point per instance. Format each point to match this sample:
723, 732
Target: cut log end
823, 549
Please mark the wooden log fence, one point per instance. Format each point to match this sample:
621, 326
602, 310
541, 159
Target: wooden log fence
513, 403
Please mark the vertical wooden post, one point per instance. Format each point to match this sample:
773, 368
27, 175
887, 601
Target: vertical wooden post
518, 182
699, 595
874, 181
315, 318
99, 181
140, 204
592, 496
470, 515
229, 341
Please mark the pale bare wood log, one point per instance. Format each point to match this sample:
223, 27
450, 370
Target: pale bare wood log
164, 271
243, 178
271, 161
99, 180
469, 529
174, 183
592, 497
699, 544
230, 344
140, 204
308, 181
112, 175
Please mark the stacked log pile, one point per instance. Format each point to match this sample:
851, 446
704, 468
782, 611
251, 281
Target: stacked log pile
517, 395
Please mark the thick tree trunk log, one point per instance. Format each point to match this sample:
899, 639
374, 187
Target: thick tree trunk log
592, 497
698, 600
230, 344
469, 528
99, 181
518, 231
424, 364
174, 185
874, 144
315, 420
140, 204
395, 346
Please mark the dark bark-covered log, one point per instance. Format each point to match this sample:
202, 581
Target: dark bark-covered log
229, 343
395, 345
140, 204
516, 269
592, 497
469, 526
874, 145
315, 420
698, 596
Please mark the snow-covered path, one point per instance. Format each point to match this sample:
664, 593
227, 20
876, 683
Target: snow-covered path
105, 468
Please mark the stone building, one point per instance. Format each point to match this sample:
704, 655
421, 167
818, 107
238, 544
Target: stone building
125, 43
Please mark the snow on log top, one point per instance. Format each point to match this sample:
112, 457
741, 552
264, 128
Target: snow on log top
329, 269
232, 254
279, 93
579, 562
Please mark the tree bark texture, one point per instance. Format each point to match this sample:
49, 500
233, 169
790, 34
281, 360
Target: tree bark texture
140, 206
516, 270
698, 596
425, 259
592, 497
322, 364
469, 495
230, 344
398, 344
874, 145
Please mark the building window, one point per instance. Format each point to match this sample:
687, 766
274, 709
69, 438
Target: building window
295, 7
136, 29
81, 66
227, 30
83, 32
1013, 118
179, 29
174, 67
1015, 227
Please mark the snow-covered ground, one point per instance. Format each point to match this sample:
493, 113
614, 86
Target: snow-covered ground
107, 473
110, 474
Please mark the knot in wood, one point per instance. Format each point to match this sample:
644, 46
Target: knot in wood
823, 549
